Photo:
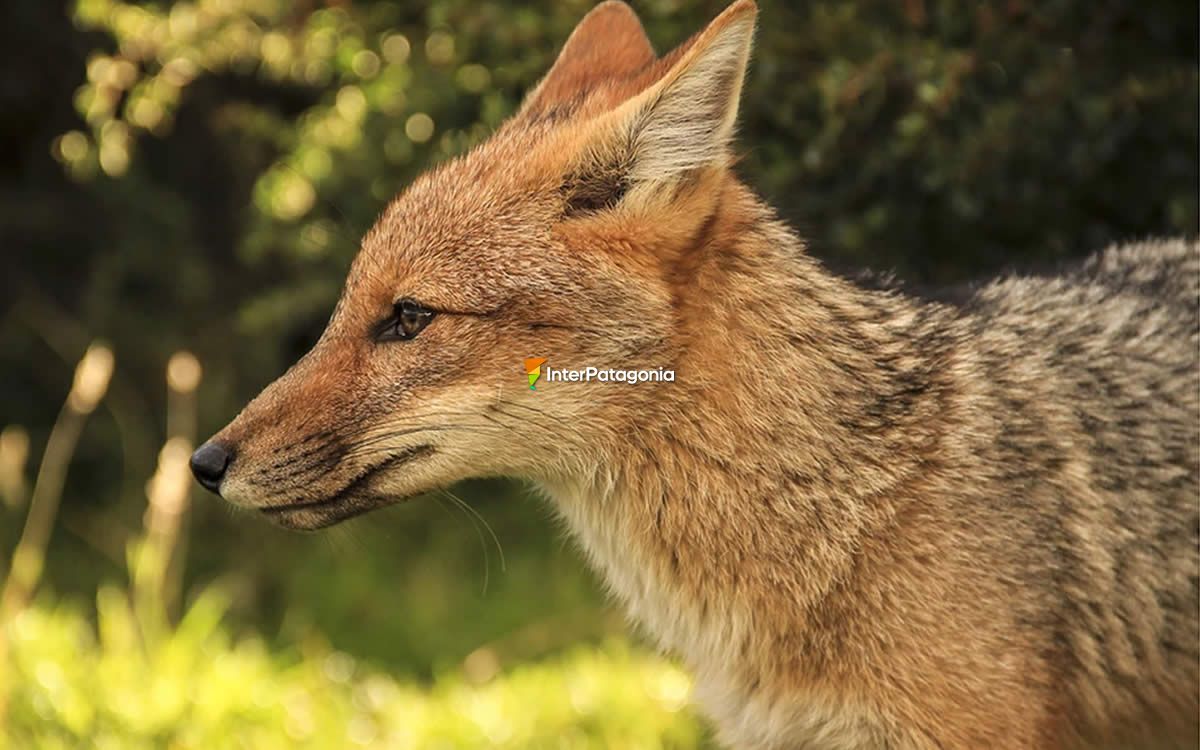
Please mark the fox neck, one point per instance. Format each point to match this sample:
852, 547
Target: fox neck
803, 406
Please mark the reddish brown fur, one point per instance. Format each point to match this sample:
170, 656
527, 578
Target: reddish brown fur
861, 519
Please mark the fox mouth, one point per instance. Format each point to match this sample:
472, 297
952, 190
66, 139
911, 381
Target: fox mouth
354, 499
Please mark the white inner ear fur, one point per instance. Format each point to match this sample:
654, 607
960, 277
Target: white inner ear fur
686, 121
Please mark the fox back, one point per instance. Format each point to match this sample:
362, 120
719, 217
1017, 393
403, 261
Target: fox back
860, 517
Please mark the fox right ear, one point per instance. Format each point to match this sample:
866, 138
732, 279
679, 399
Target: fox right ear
685, 121
679, 124
608, 43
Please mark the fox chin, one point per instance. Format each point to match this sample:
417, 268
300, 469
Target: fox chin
886, 522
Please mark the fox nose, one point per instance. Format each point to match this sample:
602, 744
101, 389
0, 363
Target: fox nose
208, 465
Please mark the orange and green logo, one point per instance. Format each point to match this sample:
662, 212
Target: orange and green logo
533, 368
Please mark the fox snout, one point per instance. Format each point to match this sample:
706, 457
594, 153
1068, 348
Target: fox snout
306, 455
208, 465
310, 482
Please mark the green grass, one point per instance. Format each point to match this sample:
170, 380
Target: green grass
130, 681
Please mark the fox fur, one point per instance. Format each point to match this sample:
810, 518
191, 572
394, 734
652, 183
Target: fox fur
862, 519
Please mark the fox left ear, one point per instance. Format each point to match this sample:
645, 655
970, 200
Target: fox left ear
608, 43
685, 120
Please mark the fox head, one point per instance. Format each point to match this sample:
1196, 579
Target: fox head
571, 234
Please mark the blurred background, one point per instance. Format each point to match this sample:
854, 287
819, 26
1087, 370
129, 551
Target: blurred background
182, 186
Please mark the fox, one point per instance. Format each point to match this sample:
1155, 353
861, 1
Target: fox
860, 516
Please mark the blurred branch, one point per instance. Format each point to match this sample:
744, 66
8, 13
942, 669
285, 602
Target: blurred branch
92, 377
91, 381
14, 453
167, 492
158, 569
183, 379
65, 336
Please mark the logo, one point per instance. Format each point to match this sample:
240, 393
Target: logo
533, 368
533, 371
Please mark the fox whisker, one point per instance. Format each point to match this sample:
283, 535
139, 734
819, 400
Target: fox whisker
472, 515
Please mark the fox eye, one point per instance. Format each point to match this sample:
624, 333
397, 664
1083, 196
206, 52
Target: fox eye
408, 319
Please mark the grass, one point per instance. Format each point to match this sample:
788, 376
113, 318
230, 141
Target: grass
124, 683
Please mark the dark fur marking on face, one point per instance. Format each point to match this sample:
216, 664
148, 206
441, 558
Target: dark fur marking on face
349, 497
290, 459
285, 475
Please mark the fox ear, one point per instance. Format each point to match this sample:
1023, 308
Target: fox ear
685, 120
608, 43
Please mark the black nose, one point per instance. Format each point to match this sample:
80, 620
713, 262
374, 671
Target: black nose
208, 465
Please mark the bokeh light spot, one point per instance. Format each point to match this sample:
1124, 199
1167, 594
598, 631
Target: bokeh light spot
419, 127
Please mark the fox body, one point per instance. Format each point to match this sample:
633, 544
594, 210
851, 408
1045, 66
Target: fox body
861, 518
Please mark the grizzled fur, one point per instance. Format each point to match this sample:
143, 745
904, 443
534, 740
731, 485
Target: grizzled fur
862, 519
933, 526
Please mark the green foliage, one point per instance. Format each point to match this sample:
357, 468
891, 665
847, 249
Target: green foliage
944, 138
197, 687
